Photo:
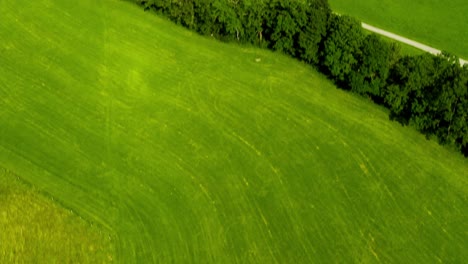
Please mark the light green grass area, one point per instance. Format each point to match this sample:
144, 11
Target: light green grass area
34, 229
440, 24
191, 150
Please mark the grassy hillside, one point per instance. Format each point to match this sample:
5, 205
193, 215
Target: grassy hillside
190, 150
441, 24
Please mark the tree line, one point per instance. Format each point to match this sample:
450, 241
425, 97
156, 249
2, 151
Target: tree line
425, 91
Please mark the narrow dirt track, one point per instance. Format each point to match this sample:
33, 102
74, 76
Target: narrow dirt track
406, 41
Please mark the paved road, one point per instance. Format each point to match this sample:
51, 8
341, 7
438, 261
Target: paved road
406, 41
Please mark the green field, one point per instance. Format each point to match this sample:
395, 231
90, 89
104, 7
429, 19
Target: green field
186, 150
440, 24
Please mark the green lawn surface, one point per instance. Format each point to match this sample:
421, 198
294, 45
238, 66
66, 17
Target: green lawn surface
439, 24
188, 150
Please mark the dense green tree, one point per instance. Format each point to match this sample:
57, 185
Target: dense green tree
371, 71
407, 80
284, 20
449, 107
224, 21
312, 33
342, 46
180, 11
253, 15
431, 93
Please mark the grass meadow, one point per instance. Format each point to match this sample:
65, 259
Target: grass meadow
184, 149
37, 229
440, 24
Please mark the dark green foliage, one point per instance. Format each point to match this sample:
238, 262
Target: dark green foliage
312, 34
221, 20
342, 46
253, 17
297, 28
450, 105
406, 78
373, 66
284, 19
431, 93
411, 79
